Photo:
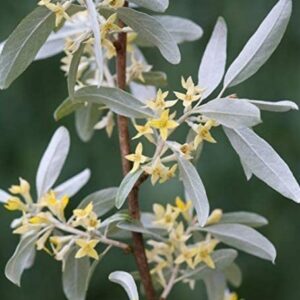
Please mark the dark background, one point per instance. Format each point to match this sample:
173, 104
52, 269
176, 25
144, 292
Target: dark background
26, 125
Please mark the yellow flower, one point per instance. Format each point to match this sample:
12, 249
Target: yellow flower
215, 217
83, 213
87, 248
136, 69
186, 150
131, 37
165, 217
144, 130
164, 123
22, 189
193, 93
56, 206
171, 172
137, 158
187, 255
114, 3
109, 26
58, 9
157, 171
160, 249
159, 103
110, 49
15, 203
40, 244
40, 219
178, 236
204, 249
184, 207
203, 134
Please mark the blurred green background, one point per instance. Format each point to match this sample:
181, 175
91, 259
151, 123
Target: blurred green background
26, 124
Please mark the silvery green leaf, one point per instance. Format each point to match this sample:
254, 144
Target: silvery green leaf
127, 282
66, 108
86, 118
278, 106
212, 66
4, 196
93, 18
73, 185
117, 100
149, 28
126, 186
72, 74
24, 43
215, 285
75, 276
142, 92
154, 78
19, 261
52, 161
243, 238
233, 113
147, 220
181, 29
247, 170
234, 275
245, 218
194, 188
261, 45
138, 227
155, 5
264, 162
103, 201
222, 259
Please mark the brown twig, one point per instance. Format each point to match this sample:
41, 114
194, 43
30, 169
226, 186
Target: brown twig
133, 202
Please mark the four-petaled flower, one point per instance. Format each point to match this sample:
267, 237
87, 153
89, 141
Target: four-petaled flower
87, 248
159, 103
164, 123
203, 133
137, 158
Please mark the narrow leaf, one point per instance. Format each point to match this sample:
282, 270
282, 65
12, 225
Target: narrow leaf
127, 282
149, 28
261, 45
24, 43
117, 100
213, 62
245, 218
279, 106
264, 162
142, 92
126, 186
75, 276
233, 113
194, 189
155, 5
103, 201
72, 186
19, 261
243, 238
93, 18
72, 75
52, 161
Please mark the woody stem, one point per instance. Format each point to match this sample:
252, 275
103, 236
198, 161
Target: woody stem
133, 202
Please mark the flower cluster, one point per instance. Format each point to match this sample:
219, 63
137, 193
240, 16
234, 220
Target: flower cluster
158, 130
178, 250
